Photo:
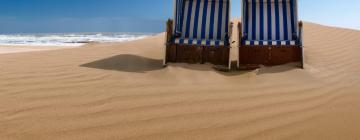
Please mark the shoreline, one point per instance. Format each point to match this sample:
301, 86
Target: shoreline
23, 49
16, 43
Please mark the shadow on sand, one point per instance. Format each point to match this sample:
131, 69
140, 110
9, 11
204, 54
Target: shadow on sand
139, 64
127, 63
278, 69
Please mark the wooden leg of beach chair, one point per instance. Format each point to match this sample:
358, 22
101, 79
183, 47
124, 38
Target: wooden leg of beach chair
165, 56
302, 63
229, 59
238, 58
301, 45
168, 41
229, 48
239, 44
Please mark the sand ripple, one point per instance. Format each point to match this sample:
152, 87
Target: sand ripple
120, 91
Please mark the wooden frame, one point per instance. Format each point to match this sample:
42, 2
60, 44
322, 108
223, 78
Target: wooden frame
175, 53
251, 57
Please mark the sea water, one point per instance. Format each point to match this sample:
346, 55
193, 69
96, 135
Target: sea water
66, 39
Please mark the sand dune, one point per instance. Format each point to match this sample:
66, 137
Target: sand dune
121, 91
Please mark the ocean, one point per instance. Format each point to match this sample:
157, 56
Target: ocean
66, 39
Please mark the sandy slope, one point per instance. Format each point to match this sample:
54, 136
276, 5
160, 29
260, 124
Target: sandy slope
120, 91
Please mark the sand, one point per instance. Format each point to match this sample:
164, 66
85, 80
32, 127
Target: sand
19, 49
121, 91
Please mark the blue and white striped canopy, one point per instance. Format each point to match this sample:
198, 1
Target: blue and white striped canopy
269, 22
202, 22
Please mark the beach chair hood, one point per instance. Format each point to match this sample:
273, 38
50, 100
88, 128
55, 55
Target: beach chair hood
269, 22
201, 22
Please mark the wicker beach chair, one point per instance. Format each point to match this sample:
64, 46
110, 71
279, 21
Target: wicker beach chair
270, 33
199, 33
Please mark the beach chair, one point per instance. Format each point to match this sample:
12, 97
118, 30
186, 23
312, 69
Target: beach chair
269, 33
199, 33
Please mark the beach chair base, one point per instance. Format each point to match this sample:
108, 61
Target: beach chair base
197, 54
251, 57
302, 61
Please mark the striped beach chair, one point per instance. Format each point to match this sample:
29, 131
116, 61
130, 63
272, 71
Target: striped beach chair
199, 33
270, 33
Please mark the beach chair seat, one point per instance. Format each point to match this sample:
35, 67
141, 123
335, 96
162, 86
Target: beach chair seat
199, 33
270, 33
200, 42
269, 42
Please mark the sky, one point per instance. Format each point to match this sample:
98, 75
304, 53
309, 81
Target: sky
54, 16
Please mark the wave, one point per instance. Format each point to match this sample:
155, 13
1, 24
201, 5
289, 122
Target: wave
66, 39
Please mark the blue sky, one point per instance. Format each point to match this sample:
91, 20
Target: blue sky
31, 16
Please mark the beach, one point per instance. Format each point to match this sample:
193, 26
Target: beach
122, 91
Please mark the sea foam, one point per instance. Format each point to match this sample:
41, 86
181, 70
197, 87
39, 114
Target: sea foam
66, 39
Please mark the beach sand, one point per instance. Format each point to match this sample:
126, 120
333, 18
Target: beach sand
121, 91
19, 49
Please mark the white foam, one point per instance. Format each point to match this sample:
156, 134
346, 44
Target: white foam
66, 39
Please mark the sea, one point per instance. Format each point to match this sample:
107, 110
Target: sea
67, 39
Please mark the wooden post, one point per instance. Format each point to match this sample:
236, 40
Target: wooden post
301, 44
230, 39
169, 30
239, 43
169, 35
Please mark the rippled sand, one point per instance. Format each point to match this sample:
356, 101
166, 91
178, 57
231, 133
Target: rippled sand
121, 91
